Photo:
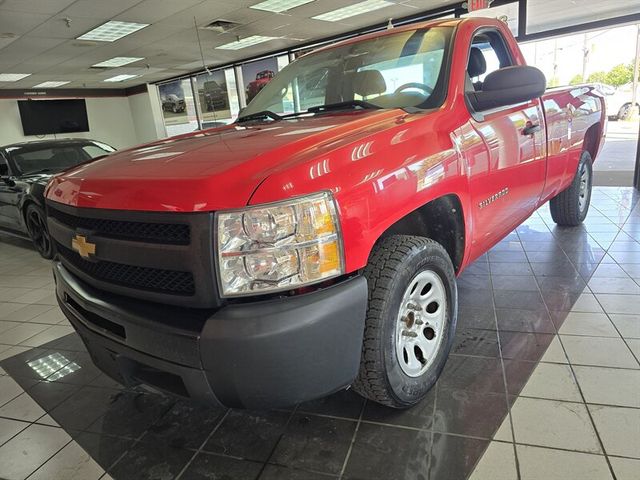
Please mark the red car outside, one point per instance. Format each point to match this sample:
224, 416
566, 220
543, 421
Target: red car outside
314, 244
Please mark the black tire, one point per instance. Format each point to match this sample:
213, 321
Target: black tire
394, 264
625, 111
36, 222
570, 207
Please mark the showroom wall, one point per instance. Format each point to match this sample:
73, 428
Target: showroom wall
146, 113
119, 121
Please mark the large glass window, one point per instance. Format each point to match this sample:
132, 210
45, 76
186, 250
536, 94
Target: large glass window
391, 71
543, 15
602, 56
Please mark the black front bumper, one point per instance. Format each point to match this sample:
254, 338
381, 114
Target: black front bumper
253, 355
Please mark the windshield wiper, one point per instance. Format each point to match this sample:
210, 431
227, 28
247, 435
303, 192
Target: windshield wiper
349, 104
260, 116
343, 106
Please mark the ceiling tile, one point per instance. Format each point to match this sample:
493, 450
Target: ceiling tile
151, 11
104, 9
19, 22
56, 27
35, 6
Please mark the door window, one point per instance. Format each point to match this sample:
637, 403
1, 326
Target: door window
488, 53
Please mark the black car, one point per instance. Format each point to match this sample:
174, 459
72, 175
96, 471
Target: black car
25, 169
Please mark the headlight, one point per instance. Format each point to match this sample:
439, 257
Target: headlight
278, 246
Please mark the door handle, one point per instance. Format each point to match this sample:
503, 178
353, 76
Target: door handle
530, 129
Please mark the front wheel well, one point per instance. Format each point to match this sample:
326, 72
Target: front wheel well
441, 220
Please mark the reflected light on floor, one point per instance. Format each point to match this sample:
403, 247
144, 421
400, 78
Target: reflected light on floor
53, 367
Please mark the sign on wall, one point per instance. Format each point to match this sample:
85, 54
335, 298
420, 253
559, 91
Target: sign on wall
257, 74
213, 97
178, 108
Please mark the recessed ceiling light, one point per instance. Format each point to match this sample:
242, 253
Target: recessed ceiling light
120, 78
112, 31
277, 6
117, 62
12, 77
352, 10
50, 84
246, 42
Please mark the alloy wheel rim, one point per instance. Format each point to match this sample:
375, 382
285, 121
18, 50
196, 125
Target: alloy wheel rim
38, 232
420, 323
583, 197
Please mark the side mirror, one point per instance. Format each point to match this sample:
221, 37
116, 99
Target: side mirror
8, 181
508, 86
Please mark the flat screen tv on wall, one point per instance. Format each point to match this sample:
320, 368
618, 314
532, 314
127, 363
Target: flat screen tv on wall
42, 117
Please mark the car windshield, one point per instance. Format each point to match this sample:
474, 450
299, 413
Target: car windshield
405, 69
52, 158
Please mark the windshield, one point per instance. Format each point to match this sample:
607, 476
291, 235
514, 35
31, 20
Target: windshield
53, 159
400, 70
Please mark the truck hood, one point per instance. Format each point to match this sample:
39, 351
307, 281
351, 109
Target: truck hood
209, 170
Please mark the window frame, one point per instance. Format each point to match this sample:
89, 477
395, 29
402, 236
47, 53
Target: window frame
479, 116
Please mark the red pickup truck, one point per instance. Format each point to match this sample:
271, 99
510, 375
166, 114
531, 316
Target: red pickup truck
314, 244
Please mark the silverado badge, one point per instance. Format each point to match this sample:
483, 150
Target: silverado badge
79, 244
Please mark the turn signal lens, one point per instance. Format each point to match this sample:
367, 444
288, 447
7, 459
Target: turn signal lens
279, 246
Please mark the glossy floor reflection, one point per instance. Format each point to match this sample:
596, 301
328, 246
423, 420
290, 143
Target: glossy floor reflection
543, 382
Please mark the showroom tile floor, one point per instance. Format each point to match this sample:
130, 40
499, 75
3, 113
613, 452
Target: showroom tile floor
543, 382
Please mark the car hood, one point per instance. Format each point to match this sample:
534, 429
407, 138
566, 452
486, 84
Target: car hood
209, 170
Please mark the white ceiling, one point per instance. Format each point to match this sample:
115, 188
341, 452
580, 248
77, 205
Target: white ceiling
35, 37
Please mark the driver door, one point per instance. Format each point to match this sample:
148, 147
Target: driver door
507, 163
9, 196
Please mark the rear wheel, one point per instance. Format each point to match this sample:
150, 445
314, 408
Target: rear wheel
570, 207
37, 228
411, 320
624, 112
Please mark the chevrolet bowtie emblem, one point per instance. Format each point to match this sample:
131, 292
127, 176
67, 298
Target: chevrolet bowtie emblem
79, 244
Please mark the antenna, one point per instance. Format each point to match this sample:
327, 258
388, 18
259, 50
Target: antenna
195, 25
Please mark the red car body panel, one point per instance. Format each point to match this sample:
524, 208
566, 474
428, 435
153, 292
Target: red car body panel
380, 165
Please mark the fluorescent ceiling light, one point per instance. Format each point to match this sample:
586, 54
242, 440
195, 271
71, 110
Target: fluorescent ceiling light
50, 84
112, 31
120, 78
277, 6
352, 10
246, 42
117, 62
12, 77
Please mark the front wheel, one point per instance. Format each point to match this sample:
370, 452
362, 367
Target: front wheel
411, 320
37, 228
570, 207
